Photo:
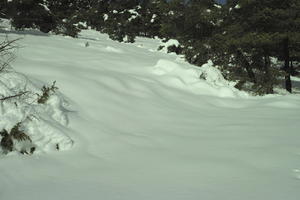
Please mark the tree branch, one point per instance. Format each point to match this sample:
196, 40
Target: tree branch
7, 45
14, 96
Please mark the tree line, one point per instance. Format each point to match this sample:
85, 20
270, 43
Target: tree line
255, 43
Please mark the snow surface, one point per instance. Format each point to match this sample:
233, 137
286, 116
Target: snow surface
170, 42
134, 14
145, 127
154, 16
105, 17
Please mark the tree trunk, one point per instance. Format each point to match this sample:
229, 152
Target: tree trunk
247, 66
268, 82
293, 71
287, 69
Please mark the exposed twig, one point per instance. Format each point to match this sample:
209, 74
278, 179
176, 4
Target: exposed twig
14, 96
7, 45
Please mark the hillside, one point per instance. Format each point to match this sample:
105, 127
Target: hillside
144, 126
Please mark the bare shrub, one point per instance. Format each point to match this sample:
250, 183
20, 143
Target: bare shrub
6, 52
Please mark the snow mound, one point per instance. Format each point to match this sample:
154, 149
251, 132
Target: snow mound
204, 80
169, 43
45, 124
113, 50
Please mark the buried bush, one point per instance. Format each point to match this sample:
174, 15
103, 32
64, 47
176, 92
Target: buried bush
25, 122
46, 93
16, 135
30, 14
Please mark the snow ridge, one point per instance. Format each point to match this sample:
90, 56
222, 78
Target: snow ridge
206, 80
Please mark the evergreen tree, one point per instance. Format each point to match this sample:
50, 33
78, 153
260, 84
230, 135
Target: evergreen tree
287, 27
252, 33
191, 23
30, 14
96, 15
151, 14
199, 24
66, 14
122, 20
3, 8
173, 19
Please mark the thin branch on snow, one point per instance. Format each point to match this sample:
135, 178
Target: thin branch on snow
7, 45
14, 96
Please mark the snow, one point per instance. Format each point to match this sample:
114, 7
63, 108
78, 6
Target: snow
170, 42
146, 126
105, 17
44, 6
154, 16
134, 14
83, 24
133, 11
237, 6
217, 6
206, 80
171, 12
43, 123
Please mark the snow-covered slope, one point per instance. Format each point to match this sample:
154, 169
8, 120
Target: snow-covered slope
146, 127
44, 124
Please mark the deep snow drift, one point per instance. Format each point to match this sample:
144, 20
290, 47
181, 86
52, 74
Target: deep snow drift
146, 127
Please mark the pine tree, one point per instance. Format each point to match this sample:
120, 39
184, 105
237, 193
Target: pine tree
173, 19
31, 14
66, 14
3, 8
191, 23
199, 24
96, 15
122, 20
151, 14
253, 32
287, 26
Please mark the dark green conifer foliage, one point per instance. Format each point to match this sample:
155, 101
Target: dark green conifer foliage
199, 24
287, 27
122, 20
192, 24
95, 14
253, 32
3, 8
30, 13
152, 13
66, 14
173, 20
